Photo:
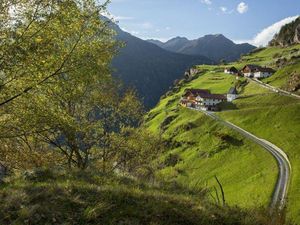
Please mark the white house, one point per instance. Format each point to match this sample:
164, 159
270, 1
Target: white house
257, 71
232, 94
202, 99
231, 70
263, 72
249, 70
211, 100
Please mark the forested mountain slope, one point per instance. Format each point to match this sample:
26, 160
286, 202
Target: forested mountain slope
148, 68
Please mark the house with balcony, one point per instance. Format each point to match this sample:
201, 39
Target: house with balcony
255, 71
202, 99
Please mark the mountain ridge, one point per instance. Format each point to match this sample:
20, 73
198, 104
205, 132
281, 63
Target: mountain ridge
213, 46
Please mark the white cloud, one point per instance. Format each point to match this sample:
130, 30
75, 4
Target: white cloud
116, 18
242, 8
223, 9
133, 32
266, 35
207, 2
168, 28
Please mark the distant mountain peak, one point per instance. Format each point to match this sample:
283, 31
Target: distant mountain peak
179, 38
156, 42
213, 46
219, 35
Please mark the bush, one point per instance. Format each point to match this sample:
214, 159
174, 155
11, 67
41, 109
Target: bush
40, 175
172, 160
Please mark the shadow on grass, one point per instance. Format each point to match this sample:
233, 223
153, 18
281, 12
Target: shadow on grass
109, 201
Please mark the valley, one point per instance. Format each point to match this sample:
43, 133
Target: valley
105, 118
151, 68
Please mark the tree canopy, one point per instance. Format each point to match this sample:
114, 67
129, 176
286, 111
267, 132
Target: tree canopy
58, 100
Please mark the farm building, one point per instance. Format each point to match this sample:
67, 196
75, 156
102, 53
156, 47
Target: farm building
257, 71
202, 99
232, 94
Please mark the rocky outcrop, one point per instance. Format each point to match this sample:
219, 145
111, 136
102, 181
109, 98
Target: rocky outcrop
189, 74
288, 35
293, 83
297, 35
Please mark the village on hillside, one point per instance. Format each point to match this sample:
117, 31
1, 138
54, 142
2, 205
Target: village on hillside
203, 99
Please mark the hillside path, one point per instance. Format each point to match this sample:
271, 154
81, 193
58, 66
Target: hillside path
274, 89
284, 165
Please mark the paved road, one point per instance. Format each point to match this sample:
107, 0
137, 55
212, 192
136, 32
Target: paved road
284, 165
274, 89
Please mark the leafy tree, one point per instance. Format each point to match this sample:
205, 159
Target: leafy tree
39, 39
133, 150
57, 90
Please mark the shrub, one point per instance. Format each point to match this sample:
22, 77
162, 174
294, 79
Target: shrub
172, 160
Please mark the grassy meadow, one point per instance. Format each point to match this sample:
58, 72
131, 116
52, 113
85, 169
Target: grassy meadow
48, 196
247, 171
206, 153
275, 118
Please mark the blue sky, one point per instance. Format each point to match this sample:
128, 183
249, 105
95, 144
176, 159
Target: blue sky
239, 20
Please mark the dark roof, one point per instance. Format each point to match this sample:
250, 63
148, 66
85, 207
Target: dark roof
196, 92
233, 69
252, 67
215, 96
265, 69
203, 93
256, 68
232, 91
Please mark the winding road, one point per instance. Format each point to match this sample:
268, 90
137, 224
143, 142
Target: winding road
284, 165
274, 89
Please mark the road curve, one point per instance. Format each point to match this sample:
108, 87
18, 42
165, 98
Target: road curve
284, 165
274, 89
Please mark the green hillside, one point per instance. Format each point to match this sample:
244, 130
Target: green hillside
56, 197
286, 62
247, 172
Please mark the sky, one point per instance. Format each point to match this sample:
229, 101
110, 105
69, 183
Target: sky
253, 21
